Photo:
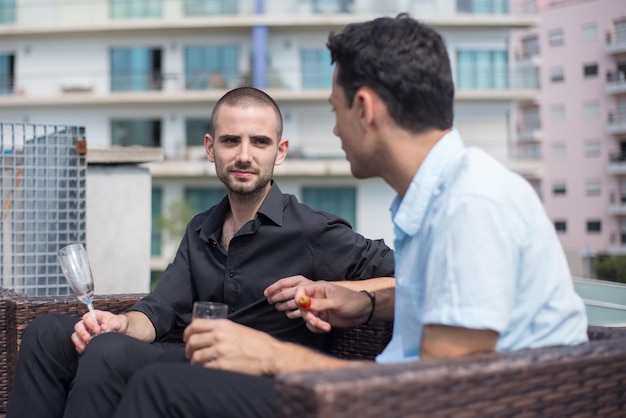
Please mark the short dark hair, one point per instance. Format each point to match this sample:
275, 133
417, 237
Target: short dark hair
405, 62
247, 96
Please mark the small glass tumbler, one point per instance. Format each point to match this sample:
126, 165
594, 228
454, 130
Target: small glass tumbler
209, 310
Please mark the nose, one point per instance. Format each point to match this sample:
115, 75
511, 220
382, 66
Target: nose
244, 155
335, 130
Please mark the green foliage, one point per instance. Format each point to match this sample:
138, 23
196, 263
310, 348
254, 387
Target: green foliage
174, 222
611, 268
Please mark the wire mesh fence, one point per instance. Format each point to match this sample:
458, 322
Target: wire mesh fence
42, 201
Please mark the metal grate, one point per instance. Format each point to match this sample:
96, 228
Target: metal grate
42, 201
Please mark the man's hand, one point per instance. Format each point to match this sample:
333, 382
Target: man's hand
86, 328
333, 305
223, 344
282, 294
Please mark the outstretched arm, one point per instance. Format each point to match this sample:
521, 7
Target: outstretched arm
282, 292
223, 344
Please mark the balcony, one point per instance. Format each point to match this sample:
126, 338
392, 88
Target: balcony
615, 43
616, 123
616, 82
97, 88
617, 163
617, 203
529, 133
617, 243
172, 15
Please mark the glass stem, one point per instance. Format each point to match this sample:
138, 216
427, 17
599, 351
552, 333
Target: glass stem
93, 313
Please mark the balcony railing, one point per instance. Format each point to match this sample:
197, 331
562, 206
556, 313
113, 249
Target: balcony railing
41, 14
616, 123
616, 82
616, 41
52, 82
528, 132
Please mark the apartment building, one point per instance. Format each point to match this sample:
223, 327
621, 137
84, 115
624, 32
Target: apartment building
579, 123
147, 73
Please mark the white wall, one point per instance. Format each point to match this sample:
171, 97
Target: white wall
118, 227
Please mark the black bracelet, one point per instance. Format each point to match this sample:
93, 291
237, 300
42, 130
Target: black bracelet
372, 297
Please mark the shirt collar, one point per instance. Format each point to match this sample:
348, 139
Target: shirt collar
271, 208
408, 212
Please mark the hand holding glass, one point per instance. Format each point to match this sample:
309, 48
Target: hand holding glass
209, 310
75, 266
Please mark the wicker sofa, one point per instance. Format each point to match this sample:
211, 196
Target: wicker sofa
584, 380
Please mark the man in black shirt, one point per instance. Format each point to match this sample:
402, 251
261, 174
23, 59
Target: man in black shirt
231, 253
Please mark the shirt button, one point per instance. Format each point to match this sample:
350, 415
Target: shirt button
231, 274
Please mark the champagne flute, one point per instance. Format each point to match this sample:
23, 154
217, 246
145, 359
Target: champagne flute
75, 266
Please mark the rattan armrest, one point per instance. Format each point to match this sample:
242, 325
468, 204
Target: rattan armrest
584, 380
18, 310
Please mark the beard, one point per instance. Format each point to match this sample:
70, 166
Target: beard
243, 189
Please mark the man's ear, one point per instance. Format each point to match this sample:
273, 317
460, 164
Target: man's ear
283, 147
209, 147
364, 103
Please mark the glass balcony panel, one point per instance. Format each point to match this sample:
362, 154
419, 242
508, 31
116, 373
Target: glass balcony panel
211, 7
7, 11
125, 9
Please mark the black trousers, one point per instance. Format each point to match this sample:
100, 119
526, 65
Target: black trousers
52, 380
171, 389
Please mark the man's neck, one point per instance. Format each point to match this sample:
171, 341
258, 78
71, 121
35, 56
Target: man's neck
244, 208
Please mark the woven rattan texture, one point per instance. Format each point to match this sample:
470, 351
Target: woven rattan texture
17, 310
588, 380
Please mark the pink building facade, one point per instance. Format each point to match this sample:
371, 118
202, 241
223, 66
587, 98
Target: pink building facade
579, 124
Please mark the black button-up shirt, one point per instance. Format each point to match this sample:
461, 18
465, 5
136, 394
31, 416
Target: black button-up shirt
285, 238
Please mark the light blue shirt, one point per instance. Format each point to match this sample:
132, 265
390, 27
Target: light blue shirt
475, 249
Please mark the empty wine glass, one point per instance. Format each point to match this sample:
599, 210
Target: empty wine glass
75, 266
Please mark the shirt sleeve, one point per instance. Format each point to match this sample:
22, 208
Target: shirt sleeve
340, 249
168, 306
471, 270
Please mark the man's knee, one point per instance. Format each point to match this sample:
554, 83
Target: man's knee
47, 331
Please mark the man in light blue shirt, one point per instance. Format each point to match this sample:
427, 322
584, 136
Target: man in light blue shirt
476, 250
478, 265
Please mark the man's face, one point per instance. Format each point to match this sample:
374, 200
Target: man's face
348, 129
245, 147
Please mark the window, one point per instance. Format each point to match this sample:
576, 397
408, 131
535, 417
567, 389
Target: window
589, 31
7, 75
557, 74
555, 37
593, 187
211, 67
592, 148
121, 9
482, 70
594, 226
340, 201
592, 109
590, 70
144, 132
530, 46
559, 188
317, 72
7, 11
560, 225
156, 237
195, 129
200, 199
482, 6
135, 69
558, 150
211, 7
558, 112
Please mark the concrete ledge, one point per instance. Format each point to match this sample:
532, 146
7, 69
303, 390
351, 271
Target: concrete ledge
124, 155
